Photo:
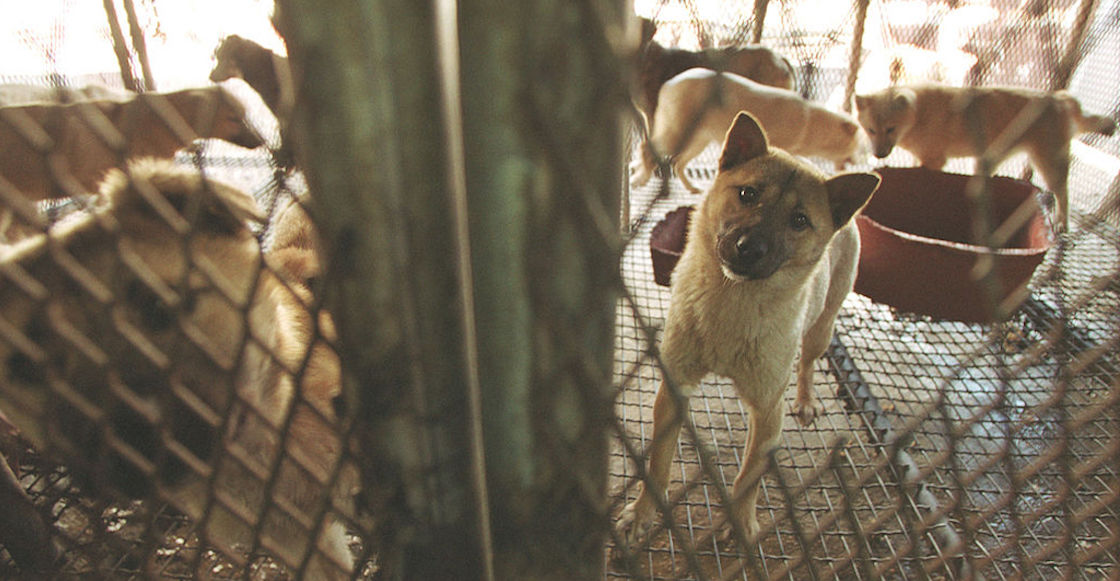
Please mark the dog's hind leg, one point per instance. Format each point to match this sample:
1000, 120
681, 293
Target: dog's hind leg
668, 418
642, 168
697, 142
1053, 164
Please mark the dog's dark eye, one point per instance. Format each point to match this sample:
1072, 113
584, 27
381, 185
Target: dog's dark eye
890, 130
800, 222
748, 195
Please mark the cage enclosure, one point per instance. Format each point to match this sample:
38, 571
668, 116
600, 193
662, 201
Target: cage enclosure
389, 304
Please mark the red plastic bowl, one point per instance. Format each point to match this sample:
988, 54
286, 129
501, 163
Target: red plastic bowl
666, 243
917, 254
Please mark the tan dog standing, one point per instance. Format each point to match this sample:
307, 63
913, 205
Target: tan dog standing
937, 122
45, 146
698, 105
771, 255
658, 64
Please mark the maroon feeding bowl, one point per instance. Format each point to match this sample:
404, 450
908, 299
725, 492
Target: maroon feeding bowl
666, 243
917, 256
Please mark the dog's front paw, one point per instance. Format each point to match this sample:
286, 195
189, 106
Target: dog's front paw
634, 521
806, 410
750, 528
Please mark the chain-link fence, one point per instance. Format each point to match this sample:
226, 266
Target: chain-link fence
367, 333
948, 449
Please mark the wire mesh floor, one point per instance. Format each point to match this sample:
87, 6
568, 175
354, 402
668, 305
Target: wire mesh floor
1007, 434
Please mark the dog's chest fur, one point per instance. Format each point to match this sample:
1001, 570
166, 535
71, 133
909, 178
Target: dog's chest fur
748, 331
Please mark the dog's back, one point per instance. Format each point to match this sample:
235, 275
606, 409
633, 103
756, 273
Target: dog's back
935, 122
698, 105
21, 94
84, 152
659, 64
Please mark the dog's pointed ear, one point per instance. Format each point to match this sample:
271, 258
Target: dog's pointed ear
903, 97
745, 141
861, 102
848, 193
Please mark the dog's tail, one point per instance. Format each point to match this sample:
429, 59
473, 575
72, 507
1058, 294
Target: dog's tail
1097, 124
1085, 123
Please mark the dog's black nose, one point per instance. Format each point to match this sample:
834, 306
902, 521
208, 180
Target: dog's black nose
751, 248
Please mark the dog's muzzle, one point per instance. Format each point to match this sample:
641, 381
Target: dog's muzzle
750, 254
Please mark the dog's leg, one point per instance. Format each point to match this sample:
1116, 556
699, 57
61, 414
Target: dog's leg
1053, 164
678, 167
932, 159
667, 421
642, 168
807, 407
697, 142
764, 430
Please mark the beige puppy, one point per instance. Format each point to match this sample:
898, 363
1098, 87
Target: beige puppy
937, 122
147, 361
771, 255
697, 106
52, 151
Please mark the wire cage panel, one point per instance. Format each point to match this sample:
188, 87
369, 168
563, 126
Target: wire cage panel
945, 449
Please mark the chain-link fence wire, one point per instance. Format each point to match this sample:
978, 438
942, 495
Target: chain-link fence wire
951, 450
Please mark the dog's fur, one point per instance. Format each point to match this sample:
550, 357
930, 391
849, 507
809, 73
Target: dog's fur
657, 64
52, 150
698, 105
771, 254
131, 334
293, 228
19, 94
263, 70
937, 122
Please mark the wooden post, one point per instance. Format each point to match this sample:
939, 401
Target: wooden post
1063, 73
759, 22
140, 45
856, 54
542, 109
370, 133
120, 48
521, 182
